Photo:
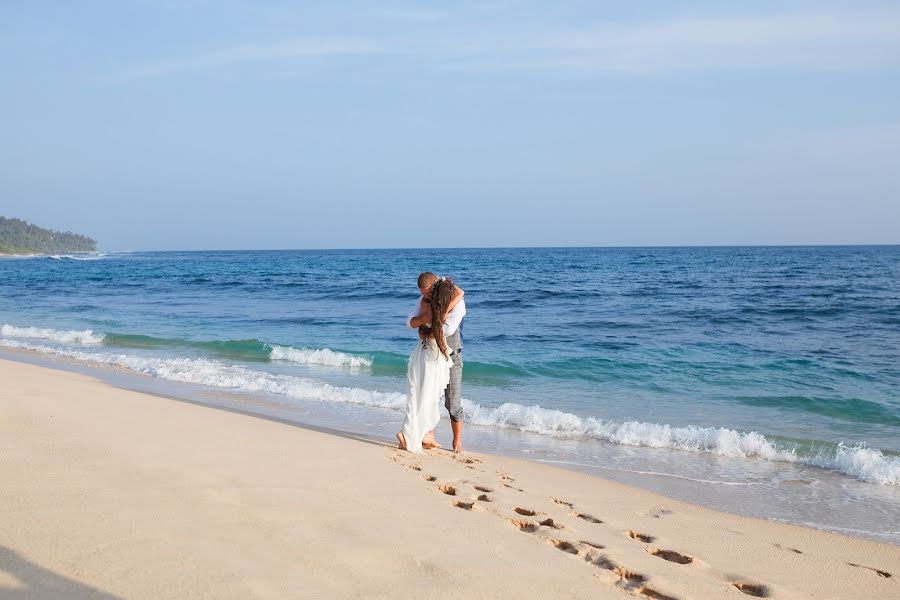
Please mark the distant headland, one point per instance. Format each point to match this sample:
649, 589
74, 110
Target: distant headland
20, 237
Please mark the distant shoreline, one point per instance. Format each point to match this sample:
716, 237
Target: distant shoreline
45, 254
41, 253
462, 248
610, 247
12, 256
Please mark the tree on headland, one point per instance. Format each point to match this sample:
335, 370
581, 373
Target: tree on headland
20, 237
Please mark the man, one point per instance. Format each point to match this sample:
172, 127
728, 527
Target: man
453, 337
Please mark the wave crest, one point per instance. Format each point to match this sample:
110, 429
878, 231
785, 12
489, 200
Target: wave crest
217, 374
87, 256
859, 461
86, 336
324, 356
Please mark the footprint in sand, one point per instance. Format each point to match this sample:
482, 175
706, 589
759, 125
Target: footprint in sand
464, 505
447, 489
484, 489
628, 579
657, 512
485, 498
602, 562
751, 589
430, 478
563, 502
878, 572
625, 575
526, 526
588, 518
787, 549
651, 593
671, 556
641, 537
564, 546
525, 512
551, 524
629, 575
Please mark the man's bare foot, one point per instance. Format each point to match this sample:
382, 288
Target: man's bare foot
402, 439
457, 427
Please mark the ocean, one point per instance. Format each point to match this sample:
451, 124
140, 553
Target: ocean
758, 380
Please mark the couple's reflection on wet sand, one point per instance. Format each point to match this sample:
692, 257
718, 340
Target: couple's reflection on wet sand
34, 582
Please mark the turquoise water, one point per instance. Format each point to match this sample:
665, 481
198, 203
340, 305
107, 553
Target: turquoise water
758, 358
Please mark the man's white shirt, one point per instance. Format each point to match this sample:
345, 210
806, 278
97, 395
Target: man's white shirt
451, 324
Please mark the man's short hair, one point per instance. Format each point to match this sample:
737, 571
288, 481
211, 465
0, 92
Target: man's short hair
426, 280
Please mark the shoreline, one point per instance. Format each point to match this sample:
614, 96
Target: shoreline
47, 254
159, 482
798, 499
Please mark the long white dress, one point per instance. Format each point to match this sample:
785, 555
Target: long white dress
427, 374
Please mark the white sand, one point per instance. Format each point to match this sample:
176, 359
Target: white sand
106, 493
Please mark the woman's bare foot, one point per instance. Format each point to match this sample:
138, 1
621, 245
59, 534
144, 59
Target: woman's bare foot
430, 442
457, 447
402, 439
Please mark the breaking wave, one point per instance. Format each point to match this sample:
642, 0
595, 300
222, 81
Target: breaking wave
86, 336
861, 462
312, 356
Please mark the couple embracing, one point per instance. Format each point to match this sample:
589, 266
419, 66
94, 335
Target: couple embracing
435, 365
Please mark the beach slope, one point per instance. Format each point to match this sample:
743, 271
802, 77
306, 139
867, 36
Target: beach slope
107, 493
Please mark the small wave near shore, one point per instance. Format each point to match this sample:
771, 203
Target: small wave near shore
322, 356
238, 349
86, 336
857, 461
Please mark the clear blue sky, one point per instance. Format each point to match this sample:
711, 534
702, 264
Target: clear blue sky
192, 124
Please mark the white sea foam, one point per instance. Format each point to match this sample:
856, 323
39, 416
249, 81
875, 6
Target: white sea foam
867, 464
69, 337
217, 374
312, 356
93, 256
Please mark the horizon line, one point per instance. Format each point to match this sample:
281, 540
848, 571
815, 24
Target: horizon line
624, 246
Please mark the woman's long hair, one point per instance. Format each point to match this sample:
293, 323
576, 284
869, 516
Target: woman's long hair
441, 295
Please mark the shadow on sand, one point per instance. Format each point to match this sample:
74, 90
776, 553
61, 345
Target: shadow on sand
37, 583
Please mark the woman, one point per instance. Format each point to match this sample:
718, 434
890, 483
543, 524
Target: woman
428, 371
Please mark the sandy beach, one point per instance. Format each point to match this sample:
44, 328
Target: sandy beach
108, 493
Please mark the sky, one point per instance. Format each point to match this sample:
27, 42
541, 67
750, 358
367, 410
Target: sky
227, 124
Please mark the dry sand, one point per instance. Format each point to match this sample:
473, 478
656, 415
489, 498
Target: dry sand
106, 493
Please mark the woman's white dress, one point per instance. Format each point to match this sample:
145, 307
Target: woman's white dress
427, 374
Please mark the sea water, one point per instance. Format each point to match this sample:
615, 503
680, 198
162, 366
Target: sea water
763, 381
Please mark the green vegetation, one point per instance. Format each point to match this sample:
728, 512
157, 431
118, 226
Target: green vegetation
20, 237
